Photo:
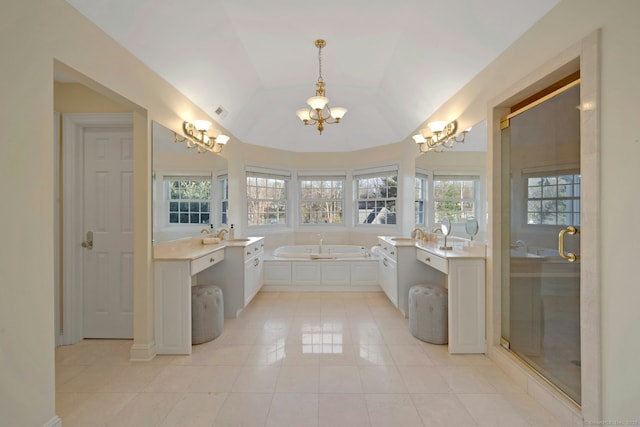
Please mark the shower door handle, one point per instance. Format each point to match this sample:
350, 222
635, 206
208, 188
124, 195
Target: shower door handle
568, 256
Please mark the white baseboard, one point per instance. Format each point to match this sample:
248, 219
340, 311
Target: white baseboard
53, 422
142, 352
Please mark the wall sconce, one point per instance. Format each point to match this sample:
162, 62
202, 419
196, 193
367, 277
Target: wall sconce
197, 137
443, 135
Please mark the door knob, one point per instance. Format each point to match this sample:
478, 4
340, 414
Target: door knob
88, 244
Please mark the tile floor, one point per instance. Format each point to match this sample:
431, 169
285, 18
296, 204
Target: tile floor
294, 359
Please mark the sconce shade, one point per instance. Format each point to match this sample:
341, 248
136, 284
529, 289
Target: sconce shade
317, 102
338, 112
197, 137
202, 125
304, 114
436, 126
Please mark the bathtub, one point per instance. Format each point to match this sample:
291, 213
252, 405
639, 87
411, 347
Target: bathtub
328, 252
306, 268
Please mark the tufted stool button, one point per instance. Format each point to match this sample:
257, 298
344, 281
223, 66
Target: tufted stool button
428, 312
207, 313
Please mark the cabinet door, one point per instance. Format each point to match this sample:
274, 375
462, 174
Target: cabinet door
249, 272
466, 306
277, 273
389, 279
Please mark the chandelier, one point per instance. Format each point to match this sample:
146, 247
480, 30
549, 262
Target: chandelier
319, 113
443, 135
197, 137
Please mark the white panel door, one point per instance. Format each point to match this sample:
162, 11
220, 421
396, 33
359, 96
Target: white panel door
108, 215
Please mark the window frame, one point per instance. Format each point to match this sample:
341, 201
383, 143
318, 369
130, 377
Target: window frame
423, 198
302, 177
550, 174
275, 174
466, 176
164, 212
383, 173
222, 197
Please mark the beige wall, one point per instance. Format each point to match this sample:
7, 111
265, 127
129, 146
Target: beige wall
26, 157
564, 26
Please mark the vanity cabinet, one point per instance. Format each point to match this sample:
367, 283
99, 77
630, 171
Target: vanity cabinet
398, 270
173, 279
465, 280
240, 276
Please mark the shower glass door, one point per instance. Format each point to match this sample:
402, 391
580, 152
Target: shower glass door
541, 285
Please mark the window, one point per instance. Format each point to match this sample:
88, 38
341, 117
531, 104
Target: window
321, 200
553, 200
266, 199
376, 198
189, 199
421, 199
455, 197
223, 200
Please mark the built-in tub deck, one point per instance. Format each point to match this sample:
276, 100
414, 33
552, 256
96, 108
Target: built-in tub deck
321, 268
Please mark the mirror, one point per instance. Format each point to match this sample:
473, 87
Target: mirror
445, 226
459, 173
184, 212
471, 227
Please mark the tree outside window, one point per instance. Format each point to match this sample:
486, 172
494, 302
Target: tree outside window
553, 200
321, 200
189, 200
266, 200
455, 197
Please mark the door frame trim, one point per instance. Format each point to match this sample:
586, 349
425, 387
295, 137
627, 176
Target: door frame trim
586, 55
72, 233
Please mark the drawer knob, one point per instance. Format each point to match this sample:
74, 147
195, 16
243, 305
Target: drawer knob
393, 252
212, 260
428, 259
248, 253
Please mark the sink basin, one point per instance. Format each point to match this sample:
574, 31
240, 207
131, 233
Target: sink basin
240, 239
403, 239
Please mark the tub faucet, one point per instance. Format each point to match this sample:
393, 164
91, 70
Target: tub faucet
320, 243
220, 234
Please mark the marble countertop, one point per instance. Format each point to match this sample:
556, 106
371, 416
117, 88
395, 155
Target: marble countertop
192, 248
461, 248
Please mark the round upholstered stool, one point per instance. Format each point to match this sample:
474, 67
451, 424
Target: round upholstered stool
207, 313
428, 311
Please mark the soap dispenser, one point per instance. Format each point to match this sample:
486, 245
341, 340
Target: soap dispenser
232, 232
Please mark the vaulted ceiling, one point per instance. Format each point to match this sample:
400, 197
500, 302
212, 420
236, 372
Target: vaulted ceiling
390, 63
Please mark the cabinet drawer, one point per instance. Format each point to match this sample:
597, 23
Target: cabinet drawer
199, 264
432, 260
388, 250
253, 249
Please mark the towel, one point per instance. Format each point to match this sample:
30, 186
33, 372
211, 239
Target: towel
375, 250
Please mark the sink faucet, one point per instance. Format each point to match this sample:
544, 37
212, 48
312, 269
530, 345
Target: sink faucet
520, 244
220, 234
205, 231
418, 234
